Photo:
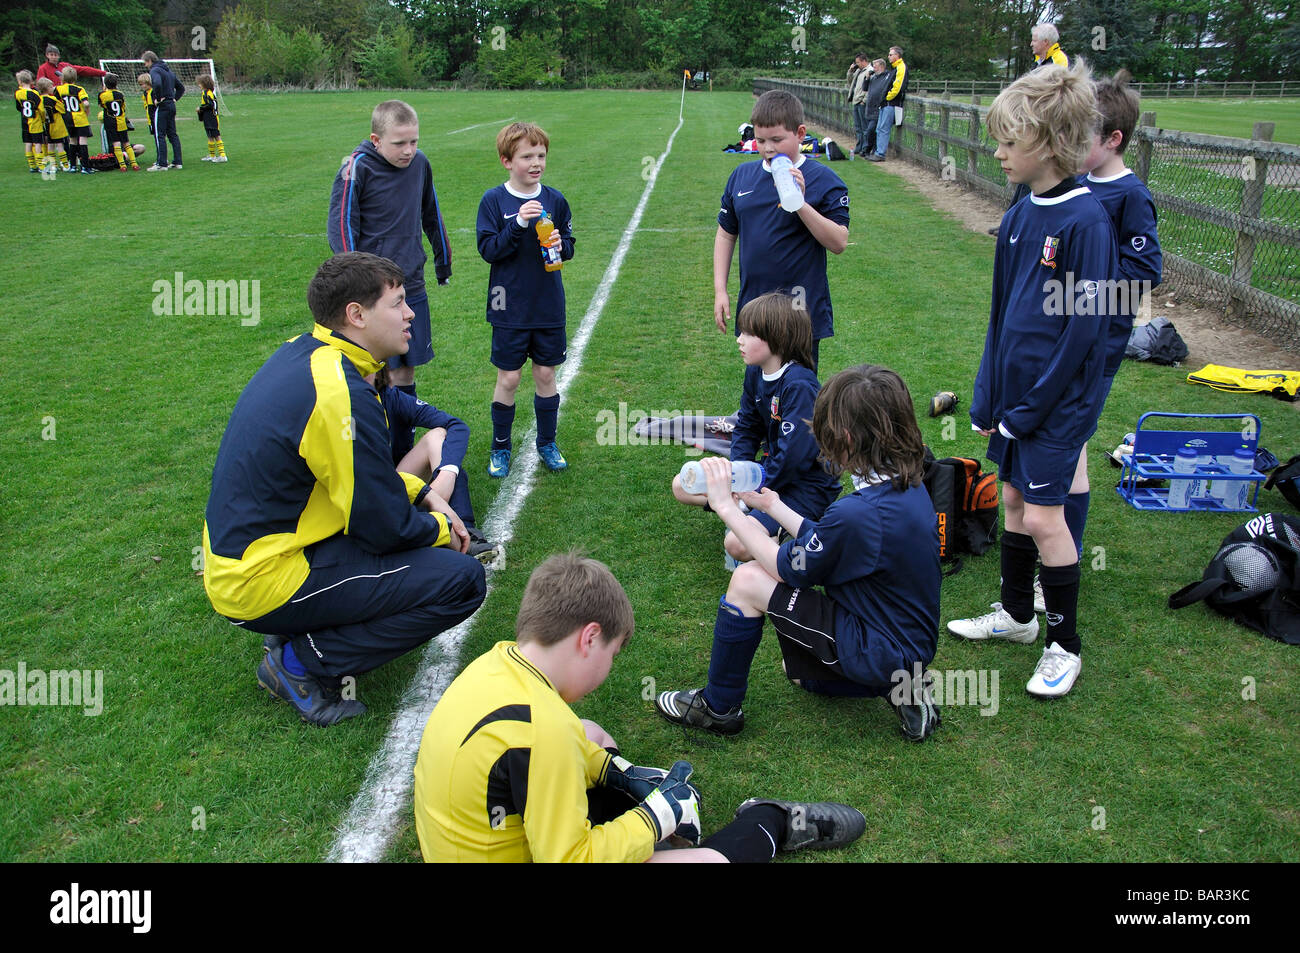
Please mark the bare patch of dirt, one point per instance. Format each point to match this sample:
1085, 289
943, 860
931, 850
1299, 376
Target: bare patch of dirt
1210, 337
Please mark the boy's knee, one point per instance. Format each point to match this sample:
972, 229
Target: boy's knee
1041, 522
734, 547
750, 588
597, 734
544, 378
509, 380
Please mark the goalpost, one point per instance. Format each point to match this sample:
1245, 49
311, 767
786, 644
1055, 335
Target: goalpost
187, 71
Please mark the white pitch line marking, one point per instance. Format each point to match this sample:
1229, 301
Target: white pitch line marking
368, 827
480, 125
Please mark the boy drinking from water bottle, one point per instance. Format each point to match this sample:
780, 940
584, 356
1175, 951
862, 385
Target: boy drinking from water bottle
780, 250
525, 304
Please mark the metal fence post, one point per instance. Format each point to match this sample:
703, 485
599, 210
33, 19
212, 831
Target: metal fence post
1252, 201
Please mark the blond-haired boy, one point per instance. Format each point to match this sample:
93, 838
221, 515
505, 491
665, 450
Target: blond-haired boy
383, 198
1039, 392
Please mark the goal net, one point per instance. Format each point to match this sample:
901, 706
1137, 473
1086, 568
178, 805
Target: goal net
187, 71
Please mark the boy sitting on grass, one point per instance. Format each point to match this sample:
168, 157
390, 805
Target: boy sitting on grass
875, 553
507, 772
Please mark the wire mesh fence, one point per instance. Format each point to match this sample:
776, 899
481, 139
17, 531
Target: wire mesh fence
1229, 209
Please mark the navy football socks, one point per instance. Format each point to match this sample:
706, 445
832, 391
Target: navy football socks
1019, 554
751, 838
735, 640
1061, 596
548, 414
503, 421
1076, 517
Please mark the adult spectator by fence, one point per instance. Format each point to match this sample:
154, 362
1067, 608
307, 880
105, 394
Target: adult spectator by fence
310, 536
895, 97
881, 79
53, 67
859, 76
164, 122
1044, 40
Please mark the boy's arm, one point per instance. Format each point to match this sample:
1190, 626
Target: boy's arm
833, 236
456, 444
555, 812
345, 444
797, 445
748, 434
498, 236
761, 546
564, 225
344, 223
1140, 258
435, 229
820, 552
724, 247
1091, 257
981, 410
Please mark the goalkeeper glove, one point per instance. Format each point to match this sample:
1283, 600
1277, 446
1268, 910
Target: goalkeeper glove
674, 805
633, 780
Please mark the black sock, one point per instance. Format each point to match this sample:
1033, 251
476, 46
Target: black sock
547, 410
1019, 553
1061, 596
751, 838
503, 421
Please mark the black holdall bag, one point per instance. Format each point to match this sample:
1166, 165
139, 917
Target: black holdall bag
1286, 480
1254, 578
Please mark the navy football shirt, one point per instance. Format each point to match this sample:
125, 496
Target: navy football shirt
777, 252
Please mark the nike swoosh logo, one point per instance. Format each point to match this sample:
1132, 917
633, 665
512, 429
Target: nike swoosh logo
1056, 681
1013, 239
1039, 486
1000, 631
739, 194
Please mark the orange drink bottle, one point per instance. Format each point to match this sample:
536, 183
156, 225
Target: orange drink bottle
550, 253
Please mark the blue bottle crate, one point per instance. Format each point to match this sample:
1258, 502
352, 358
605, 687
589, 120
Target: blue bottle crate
1153, 459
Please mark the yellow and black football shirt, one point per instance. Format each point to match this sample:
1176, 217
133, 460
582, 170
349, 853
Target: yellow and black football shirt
75, 101
503, 773
114, 105
28, 102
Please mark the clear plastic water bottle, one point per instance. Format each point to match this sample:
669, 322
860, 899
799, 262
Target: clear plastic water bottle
1201, 486
791, 197
746, 475
1235, 494
1180, 490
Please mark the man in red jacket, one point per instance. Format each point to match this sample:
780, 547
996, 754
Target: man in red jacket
52, 67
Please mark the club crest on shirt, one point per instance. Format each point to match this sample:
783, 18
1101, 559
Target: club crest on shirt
1050, 244
776, 407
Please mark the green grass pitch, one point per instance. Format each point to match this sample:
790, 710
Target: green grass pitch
110, 416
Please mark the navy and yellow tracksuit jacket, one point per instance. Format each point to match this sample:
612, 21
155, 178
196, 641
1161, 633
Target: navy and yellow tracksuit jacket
304, 457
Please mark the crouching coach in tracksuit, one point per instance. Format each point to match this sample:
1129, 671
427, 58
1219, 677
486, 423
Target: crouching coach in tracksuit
310, 536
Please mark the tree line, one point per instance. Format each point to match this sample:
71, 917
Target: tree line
528, 43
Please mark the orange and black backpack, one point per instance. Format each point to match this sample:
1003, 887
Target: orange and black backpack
965, 503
